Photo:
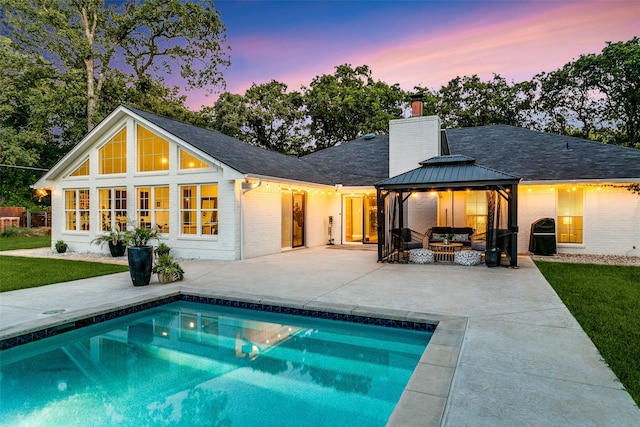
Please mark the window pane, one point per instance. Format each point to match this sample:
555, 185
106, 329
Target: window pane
153, 151
112, 157
161, 205
570, 208
82, 170
187, 161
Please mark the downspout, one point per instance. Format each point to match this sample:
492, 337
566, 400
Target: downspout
246, 187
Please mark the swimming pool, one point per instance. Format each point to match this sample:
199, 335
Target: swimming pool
194, 364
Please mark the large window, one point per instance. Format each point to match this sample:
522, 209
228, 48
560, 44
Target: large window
570, 201
153, 207
112, 157
76, 210
476, 211
199, 209
112, 208
153, 151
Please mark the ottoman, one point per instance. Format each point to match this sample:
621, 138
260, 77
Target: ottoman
467, 257
421, 256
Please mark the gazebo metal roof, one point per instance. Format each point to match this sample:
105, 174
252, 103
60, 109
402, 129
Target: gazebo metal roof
448, 172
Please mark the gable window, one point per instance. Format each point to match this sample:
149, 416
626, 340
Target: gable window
153, 207
153, 151
187, 161
112, 157
112, 208
82, 170
569, 224
76, 210
199, 209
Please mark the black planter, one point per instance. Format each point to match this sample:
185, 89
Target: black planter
117, 249
140, 264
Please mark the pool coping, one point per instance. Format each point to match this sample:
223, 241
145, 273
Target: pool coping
424, 399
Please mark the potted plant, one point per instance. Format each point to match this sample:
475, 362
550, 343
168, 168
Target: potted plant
116, 240
140, 253
167, 269
161, 249
61, 246
447, 238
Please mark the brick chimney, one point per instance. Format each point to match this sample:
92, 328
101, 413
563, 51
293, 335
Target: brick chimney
416, 105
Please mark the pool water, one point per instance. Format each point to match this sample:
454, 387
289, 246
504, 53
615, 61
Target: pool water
186, 364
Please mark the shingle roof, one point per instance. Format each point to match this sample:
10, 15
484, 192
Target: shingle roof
448, 171
244, 158
540, 156
525, 153
360, 162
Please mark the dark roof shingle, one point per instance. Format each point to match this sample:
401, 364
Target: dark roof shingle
540, 156
244, 158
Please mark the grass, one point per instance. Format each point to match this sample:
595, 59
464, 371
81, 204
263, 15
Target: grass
605, 300
22, 272
32, 242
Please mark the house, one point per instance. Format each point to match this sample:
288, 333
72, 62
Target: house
215, 197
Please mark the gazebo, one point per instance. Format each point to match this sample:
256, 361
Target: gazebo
450, 173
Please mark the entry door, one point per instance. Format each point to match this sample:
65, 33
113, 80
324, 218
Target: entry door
361, 220
293, 214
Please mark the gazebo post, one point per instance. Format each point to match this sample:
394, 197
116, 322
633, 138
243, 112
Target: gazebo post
381, 221
513, 225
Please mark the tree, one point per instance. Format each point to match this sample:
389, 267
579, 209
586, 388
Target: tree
266, 116
468, 101
615, 73
349, 104
275, 118
565, 102
91, 37
24, 119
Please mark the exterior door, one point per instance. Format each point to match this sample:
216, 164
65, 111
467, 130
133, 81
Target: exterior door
293, 216
361, 220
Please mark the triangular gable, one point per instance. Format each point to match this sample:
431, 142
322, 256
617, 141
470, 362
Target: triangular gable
118, 118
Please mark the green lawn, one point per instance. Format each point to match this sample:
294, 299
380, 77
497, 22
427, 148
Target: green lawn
32, 242
22, 272
605, 300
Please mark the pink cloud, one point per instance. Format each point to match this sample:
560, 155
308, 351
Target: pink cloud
517, 42
542, 40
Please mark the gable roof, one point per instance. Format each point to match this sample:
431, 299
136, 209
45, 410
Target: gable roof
540, 156
243, 157
360, 162
455, 171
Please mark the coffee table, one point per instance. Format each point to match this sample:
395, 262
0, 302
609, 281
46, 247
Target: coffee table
444, 252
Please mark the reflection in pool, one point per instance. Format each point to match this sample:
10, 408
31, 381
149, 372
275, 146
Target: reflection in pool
186, 364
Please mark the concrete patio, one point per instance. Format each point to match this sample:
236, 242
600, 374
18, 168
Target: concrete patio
506, 351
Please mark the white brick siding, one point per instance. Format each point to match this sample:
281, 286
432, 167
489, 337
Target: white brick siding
411, 141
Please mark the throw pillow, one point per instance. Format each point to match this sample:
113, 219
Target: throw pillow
460, 237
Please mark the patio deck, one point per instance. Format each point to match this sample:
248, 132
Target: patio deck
507, 351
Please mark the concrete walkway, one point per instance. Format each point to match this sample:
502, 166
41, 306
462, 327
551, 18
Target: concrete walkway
506, 352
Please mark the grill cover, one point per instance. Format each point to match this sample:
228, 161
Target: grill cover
542, 240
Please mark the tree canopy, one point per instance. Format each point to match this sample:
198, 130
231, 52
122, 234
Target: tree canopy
131, 42
348, 104
67, 64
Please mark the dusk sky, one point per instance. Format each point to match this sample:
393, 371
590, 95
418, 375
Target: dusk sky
425, 43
